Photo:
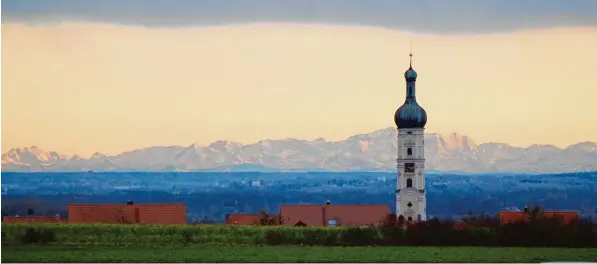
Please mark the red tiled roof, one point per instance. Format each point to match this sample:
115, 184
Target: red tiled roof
512, 217
565, 217
345, 215
122, 213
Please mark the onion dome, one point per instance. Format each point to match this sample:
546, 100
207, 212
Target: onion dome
410, 75
410, 114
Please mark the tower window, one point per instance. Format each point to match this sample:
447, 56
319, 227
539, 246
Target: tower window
409, 167
410, 204
409, 183
409, 151
410, 218
409, 132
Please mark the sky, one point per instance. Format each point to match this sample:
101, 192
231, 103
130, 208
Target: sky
82, 76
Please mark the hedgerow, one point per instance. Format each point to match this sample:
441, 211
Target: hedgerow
430, 233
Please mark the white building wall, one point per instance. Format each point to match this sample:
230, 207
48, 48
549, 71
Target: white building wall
413, 139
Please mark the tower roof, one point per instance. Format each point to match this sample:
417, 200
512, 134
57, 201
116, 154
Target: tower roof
410, 114
410, 75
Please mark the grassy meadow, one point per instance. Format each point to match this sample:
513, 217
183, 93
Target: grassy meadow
238, 253
220, 243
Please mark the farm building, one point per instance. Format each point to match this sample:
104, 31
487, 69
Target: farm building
317, 215
127, 213
113, 213
333, 215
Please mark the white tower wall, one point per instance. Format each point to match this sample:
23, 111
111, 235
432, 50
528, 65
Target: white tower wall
411, 165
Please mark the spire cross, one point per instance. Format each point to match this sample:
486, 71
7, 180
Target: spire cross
411, 59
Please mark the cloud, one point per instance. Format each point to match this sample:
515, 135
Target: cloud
455, 16
85, 87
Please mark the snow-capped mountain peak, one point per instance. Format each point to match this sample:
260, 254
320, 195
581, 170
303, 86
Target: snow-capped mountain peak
31, 155
97, 156
372, 151
196, 146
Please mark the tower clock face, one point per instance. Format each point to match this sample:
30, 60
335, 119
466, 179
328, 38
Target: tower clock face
409, 167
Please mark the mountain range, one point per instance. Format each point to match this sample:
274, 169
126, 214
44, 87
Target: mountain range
374, 151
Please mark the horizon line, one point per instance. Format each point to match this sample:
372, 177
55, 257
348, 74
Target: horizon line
288, 138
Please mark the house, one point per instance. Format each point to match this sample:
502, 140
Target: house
127, 213
31, 219
565, 217
333, 215
252, 219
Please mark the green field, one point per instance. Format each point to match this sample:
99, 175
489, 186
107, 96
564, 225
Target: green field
221, 243
58, 254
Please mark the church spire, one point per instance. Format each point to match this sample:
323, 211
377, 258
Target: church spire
410, 75
410, 114
410, 119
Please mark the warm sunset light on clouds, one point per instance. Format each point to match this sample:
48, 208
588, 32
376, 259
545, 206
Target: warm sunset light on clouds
79, 87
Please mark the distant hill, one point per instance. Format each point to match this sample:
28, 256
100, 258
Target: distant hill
215, 194
375, 151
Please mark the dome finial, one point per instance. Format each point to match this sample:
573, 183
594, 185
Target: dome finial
410, 74
410, 52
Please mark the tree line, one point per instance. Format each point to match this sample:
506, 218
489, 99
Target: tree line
473, 230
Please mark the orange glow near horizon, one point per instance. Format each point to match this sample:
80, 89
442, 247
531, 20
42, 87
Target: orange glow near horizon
77, 88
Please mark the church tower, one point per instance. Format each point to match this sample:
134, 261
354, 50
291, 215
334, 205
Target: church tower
410, 120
